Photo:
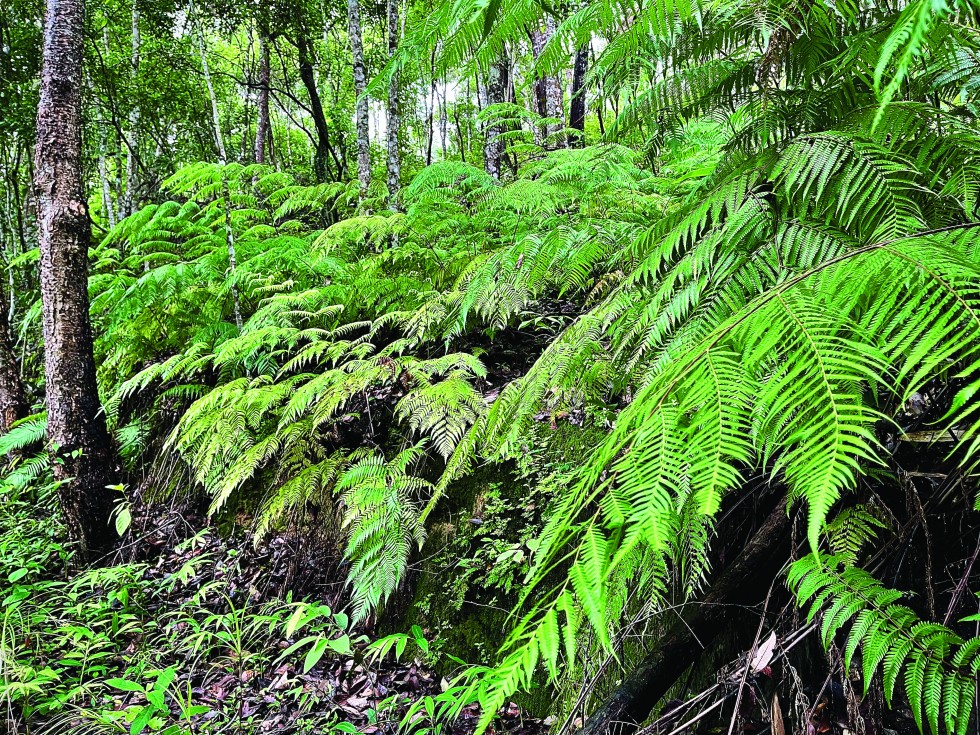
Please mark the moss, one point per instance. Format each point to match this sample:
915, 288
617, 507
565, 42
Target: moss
472, 566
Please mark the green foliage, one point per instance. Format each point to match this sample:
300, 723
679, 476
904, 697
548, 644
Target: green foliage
940, 668
381, 515
774, 248
22, 445
143, 648
341, 328
784, 305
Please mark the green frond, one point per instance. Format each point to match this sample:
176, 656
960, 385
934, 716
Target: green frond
936, 662
381, 517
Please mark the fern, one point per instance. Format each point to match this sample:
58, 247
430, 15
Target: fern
27, 433
940, 668
444, 411
381, 517
851, 530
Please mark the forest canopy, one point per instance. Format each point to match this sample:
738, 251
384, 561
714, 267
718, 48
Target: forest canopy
437, 366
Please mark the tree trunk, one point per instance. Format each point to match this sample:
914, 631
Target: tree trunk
744, 582
431, 105
361, 105
394, 114
553, 85
219, 138
13, 404
494, 148
82, 454
110, 211
132, 148
443, 123
324, 151
262, 122
576, 113
547, 88
430, 121
459, 132
540, 87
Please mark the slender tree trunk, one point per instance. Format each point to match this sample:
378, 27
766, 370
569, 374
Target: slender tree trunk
538, 42
110, 211
244, 148
262, 122
13, 404
230, 242
361, 106
19, 196
132, 149
394, 113
272, 144
553, 85
215, 112
547, 88
324, 151
225, 192
120, 145
443, 122
576, 113
431, 117
82, 454
459, 132
430, 122
510, 95
493, 148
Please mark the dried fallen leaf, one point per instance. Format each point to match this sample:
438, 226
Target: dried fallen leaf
763, 654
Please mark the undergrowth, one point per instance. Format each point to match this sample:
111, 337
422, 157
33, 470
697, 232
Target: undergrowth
184, 643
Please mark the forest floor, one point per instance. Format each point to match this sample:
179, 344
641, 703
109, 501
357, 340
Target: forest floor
211, 623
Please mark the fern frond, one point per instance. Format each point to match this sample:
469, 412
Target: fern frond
940, 667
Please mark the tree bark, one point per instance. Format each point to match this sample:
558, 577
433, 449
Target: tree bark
219, 138
540, 88
493, 148
82, 454
743, 582
459, 132
547, 88
13, 404
361, 106
430, 121
262, 121
443, 123
394, 112
576, 113
132, 148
